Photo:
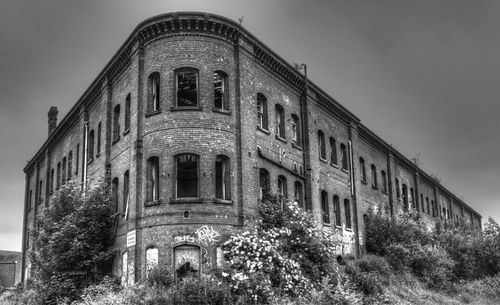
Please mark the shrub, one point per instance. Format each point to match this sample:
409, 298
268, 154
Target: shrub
200, 291
398, 256
160, 276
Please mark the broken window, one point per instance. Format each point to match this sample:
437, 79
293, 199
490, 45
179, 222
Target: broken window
187, 175
152, 181
187, 87
297, 194
222, 178
264, 183
221, 98
262, 111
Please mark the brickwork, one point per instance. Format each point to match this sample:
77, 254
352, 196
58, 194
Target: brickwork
209, 43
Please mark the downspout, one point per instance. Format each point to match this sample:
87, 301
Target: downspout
85, 152
353, 195
305, 141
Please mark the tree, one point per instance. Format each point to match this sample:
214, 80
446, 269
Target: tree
73, 241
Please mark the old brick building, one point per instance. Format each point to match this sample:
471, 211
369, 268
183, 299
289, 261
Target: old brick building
193, 118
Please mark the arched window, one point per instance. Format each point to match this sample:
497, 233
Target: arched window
151, 259
99, 135
433, 208
422, 202
40, 192
398, 194
77, 158
116, 123
58, 182
384, 181
154, 92
222, 177
362, 168
51, 181
412, 197
405, 197
262, 111
124, 278
186, 175
282, 189
325, 211
127, 112
297, 193
70, 164
221, 97
345, 159
347, 209
126, 184
264, 183
186, 87
336, 210
321, 145
280, 121
333, 151
63, 174
114, 195
374, 176
152, 179
296, 130
90, 147
428, 207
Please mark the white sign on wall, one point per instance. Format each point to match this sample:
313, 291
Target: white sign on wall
131, 238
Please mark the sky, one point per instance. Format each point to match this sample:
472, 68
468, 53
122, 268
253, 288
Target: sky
423, 75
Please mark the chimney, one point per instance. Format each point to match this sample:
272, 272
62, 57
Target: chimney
52, 119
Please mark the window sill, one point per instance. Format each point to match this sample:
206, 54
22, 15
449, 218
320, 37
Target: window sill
294, 145
323, 160
345, 170
222, 111
223, 201
90, 161
186, 108
153, 112
115, 140
348, 229
384, 192
334, 165
97, 155
125, 132
326, 224
153, 203
281, 139
338, 227
364, 182
263, 130
186, 200
374, 187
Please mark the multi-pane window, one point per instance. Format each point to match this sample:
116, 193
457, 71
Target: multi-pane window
280, 121
114, 195
116, 123
405, 196
321, 145
90, 151
282, 189
362, 168
345, 158
297, 193
296, 130
262, 111
127, 112
333, 151
63, 173
336, 210
70, 165
347, 209
154, 92
152, 179
186, 175
221, 98
99, 135
264, 183
187, 87
384, 181
325, 211
374, 176
222, 178
126, 185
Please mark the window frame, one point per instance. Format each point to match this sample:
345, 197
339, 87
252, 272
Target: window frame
262, 113
348, 216
154, 93
152, 179
298, 193
337, 211
345, 157
176, 184
296, 132
177, 74
128, 105
362, 166
321, 145
373, 169
225, 178
116, 123
325, 209
264, 183
280, 121
224, 103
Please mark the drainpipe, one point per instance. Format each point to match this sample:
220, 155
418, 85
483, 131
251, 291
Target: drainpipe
85, 152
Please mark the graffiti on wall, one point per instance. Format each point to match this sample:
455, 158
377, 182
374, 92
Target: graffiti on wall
205, 235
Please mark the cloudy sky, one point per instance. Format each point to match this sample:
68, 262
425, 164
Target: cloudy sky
424, 75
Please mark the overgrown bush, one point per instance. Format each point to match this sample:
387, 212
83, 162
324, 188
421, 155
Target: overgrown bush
160, 276
370, 273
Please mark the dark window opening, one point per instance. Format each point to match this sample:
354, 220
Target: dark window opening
187, 88
222, 178
324, 207
280, 121
221, 98
282, 189
347, 208
296, 130
262, 111
116, 123
345, 159
333, 149
126, 184
127, 112
99, 135
70, 164
321, 145
297, 194
362, 168
187, 175
336, 210
90, 151
152, 179
264, 183
114, 195
154, 92
374, 176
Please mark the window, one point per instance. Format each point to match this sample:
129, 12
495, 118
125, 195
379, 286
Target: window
374, 176
126, 184
151, 259
345, 159
58, 181
187, 87
321, 145
99, 134
333, 149
412, 197
187, 175
221, 98
124, 278
282, 189
297, 194
296, 130
77, 158
152, 179
40, 192
280, 121
428, 207
127, 113
186, 261
362, 168
347, 208
90, 151
70, 164
324, 207
63, 174
405, 197
264, 183
154, 92
398, 194
114, 195
433, 208
30, 200
422, 202
51, 180
116, 123
262, 111
384, 181
222, 178
336, 210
